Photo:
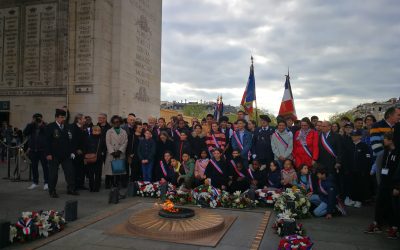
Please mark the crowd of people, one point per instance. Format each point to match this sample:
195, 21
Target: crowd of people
350, 161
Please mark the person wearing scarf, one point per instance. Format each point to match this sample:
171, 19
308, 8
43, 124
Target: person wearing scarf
289, 176
305, 145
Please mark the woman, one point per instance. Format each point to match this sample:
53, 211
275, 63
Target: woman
146, 153
335, 127
200, 168
164, 143
282, 143
216, 171
215, 139
136, 170
164, 172
95, 147
197, 141
305, 146
186, 172
116, 142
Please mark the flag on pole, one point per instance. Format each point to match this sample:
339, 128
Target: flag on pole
249, 95
287, 104
218, 108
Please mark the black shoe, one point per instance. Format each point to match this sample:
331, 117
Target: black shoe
54, 195
73, 193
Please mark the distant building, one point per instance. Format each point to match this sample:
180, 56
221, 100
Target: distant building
376, 109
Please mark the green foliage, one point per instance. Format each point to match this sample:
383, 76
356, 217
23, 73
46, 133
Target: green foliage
195, 110
338, 116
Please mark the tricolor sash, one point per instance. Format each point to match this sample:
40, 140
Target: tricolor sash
185, 167
236, 169
215, 140
216, 166
281, 140
237, 140
250, 173
309, 183
177, 132
326, 146
321, 188
158, 131
163, 168
307, 150
270, 182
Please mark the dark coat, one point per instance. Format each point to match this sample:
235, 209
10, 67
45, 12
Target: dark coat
170, 173
217, 179
59, 142
162, 147
330, 197
182, 147
78, 137
37, 136
198, 144
326, 159
147, 150
262, 144
274, 179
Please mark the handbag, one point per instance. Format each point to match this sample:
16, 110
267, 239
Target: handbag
92, 157
118, 166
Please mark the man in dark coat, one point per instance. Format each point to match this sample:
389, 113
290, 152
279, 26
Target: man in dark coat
330, 149
262, 141
78, 143
59, 150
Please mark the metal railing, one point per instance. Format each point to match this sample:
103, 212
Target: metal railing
20, 159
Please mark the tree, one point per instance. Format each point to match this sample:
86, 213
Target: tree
195, 110
338, 116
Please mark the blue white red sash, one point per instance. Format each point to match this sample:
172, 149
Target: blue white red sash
236, 169
216, 166
309, 183
163, 168
270, 182
321, 188
250, 173
177, 132
237, 140
185, 167
307, 150
326, 146
215, 140
279, 137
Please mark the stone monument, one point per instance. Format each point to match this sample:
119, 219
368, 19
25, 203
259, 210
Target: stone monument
90, 55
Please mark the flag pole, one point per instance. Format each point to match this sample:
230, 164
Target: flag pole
255, 101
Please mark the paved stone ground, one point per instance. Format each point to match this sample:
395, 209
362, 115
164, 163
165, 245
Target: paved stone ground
338, 233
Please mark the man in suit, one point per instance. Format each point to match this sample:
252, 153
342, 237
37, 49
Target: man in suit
262, 141
330, 150
242, 141
59, 150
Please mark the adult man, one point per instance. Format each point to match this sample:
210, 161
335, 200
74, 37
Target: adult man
330, 149
103, 124
314, 120
88, 124
262, 141
318, 126
242, 141
358, 123
78, 140
36, 131
59, 150
241, 115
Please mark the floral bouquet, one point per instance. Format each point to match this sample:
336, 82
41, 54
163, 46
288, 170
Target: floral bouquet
295, 242
293, 195
179, 197
33, 225
226, 199
284, 223
240, 200
150, 189
268, 196
206, 196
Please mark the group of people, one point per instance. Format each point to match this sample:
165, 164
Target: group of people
350, 160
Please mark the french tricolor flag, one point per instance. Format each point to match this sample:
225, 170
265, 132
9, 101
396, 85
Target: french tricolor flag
287, 104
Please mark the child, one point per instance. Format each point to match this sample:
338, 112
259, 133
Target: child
239, 181
217, 170
257, 174
182, 145
200, 168
186, 171
274, 175
325, 195
384, 205
360, 167
165, 172
146, 154
289, 176
305, 180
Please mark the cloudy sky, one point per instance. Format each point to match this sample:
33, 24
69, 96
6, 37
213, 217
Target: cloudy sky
340, 53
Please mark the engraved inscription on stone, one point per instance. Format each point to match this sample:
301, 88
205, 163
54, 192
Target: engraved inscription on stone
40, 58
9, 39
143, 50
84, 41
